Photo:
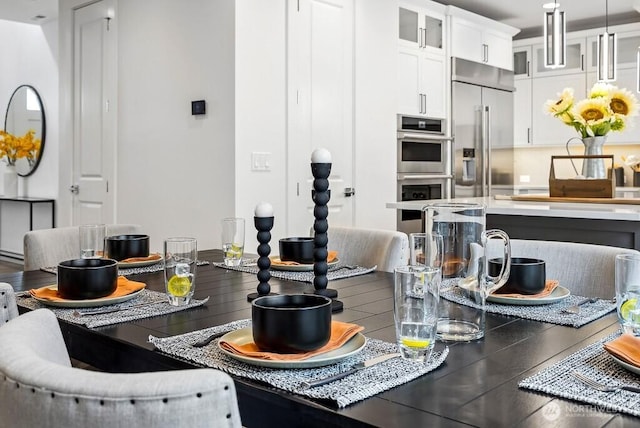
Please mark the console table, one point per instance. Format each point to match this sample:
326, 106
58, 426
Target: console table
20, 215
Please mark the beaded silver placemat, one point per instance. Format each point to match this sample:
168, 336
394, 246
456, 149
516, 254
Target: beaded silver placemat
358, 386
593, 362
155, 304
551, 313
338, 271
156, 267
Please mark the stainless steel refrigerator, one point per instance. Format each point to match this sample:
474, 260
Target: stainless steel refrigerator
482, 129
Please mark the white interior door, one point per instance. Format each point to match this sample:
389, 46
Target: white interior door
320, 66
93, 126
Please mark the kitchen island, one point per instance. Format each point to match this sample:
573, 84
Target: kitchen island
591, 223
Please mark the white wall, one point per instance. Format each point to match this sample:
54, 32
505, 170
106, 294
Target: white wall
260, 114
33, 61
175, 171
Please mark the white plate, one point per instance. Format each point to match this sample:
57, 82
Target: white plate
300, 267
86, 303
560, 293
140, 263
245, 335
626, 365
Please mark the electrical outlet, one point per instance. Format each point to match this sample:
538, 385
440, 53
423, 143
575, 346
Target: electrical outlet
525, 179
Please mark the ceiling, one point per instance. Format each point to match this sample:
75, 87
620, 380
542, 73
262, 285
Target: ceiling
29, 11
523, 14
527, 14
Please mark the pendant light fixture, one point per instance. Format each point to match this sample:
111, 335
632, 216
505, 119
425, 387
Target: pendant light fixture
607, 51
555, 41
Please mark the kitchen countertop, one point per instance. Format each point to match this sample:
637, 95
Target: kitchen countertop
538, 209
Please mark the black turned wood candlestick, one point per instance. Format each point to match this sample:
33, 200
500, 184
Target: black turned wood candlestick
263, 225
321, 195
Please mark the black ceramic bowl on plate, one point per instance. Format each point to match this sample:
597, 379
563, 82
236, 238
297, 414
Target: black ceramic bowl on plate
291, 323
528, 276
87, 278
297, 249
121, 247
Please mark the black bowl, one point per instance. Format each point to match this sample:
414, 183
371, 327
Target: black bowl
87, 278
528, 276
298, 249
291, 323
121, 247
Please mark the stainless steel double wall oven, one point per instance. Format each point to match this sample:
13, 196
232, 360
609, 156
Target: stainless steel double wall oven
424, 169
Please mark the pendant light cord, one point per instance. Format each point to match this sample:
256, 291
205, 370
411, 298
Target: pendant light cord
606, 16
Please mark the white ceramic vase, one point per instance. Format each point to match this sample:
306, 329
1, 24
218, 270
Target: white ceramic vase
10, 182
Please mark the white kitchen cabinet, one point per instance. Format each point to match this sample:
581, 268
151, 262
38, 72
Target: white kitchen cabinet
546, 129
522, 62
628, 43
480, 39
421, 83
575, 61
420, 28
522, 114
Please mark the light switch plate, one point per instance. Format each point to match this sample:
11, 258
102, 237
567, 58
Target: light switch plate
260, 161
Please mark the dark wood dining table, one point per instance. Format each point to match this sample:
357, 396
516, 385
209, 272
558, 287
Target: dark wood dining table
476, 386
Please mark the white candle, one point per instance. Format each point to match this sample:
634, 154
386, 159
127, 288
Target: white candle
264, 209
321, 156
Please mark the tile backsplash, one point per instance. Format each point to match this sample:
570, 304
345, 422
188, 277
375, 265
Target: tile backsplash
534, 162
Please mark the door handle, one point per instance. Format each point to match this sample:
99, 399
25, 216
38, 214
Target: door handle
75, 189
349, 191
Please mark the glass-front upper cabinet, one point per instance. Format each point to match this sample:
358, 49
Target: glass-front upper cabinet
575, 61
420, 28
628, 43
522, 62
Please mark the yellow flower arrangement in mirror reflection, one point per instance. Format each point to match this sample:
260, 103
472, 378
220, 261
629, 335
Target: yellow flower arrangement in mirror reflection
607, 108
13, 148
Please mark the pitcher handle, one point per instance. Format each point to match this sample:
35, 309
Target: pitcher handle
499, 280
569, 153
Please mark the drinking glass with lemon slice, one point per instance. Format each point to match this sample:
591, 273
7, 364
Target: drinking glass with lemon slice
233, 240
415, 309
180, 269
628, 292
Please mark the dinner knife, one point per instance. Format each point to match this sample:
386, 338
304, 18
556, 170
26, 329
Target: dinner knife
207, 340
363, 365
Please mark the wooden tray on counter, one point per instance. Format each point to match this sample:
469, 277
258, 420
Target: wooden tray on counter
582, 188
547, 198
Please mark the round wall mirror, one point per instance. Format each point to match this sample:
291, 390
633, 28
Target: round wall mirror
25, 112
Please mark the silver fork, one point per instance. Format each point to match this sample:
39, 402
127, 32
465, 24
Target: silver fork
80, 313
576, 308
602, 387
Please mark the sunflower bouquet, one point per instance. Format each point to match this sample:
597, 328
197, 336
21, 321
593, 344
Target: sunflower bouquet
13, 148
607, 108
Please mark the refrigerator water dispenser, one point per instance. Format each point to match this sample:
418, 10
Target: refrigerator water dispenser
468, 166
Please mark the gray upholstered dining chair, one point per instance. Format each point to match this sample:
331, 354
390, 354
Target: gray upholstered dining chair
8, 306
585, 269
369, 247
39, 388
48, 247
